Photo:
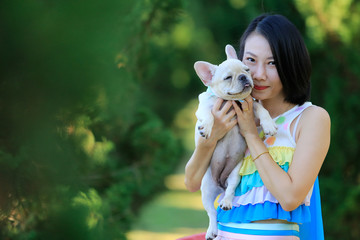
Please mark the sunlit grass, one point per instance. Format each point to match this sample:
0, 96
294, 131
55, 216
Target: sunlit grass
173, 214
175, 182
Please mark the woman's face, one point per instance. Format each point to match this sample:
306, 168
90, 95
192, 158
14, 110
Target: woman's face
259, 58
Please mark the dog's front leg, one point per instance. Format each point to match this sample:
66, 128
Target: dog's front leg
209, 192
266, 122
204, 115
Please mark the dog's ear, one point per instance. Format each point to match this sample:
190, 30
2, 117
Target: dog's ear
205, 71
230, 52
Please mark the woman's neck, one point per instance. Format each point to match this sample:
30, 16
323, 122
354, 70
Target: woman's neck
277, 107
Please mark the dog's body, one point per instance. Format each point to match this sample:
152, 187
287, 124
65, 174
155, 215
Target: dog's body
231, 80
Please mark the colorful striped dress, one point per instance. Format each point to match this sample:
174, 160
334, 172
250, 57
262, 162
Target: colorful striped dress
254, 202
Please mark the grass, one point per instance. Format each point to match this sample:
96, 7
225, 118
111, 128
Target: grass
173, 214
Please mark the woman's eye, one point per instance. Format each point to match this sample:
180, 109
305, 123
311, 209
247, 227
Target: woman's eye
272, 63
228, 78
250, 59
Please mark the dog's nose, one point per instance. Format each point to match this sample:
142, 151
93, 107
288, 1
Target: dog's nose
242, 78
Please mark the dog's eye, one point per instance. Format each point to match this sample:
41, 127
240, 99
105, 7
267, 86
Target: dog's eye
228, 78
248, 69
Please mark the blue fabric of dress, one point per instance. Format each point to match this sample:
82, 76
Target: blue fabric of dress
314, 230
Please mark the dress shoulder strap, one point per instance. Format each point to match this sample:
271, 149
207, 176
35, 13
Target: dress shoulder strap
298, 112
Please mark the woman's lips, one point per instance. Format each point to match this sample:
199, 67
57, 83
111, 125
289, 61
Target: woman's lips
260, 87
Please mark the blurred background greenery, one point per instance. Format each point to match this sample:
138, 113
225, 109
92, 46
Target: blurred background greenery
97, 102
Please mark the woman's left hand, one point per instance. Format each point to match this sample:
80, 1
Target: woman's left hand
245, 116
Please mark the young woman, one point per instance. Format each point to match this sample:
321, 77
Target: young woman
278, 196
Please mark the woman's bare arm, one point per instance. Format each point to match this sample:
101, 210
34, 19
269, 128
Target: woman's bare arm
198, 164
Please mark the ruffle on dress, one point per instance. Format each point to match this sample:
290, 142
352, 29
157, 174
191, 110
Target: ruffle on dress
281, 155
254, 191
253, 180
267, 210
260, 195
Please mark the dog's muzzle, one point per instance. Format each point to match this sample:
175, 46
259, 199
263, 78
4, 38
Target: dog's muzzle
243, 78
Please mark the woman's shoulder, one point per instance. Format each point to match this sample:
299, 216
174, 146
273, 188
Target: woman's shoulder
315, 116
316, 112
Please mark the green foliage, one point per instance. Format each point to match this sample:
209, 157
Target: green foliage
80, 150
333, 44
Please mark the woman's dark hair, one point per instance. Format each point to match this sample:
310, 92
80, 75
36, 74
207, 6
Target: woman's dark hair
290, 54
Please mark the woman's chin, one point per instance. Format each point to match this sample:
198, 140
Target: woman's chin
257, 96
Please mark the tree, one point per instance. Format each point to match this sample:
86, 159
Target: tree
81, 150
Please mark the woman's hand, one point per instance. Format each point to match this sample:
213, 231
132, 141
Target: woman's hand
223, 119
245, 117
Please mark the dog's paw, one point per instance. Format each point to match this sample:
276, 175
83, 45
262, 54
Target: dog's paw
269, 127
210, 235
205, 128
225, 204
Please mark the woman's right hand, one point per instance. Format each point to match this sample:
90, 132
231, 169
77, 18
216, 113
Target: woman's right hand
223, 119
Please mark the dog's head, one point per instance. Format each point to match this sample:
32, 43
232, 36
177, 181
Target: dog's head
231, 80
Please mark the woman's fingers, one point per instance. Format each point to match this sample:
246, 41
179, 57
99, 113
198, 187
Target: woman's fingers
236, 107
229, 113
245, 106
225, 109
232, 123
223, 114
217, 104
250, 101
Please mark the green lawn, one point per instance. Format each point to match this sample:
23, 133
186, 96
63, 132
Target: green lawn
175, 213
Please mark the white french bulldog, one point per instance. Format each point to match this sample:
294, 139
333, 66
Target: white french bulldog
231, 80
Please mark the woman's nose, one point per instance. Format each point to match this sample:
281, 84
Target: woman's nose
259, 72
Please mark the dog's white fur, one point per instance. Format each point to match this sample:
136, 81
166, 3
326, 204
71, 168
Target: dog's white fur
231, 80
